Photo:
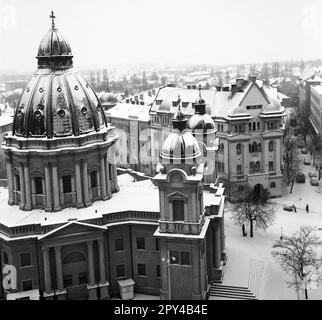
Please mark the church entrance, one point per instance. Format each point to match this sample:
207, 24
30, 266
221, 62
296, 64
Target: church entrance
75, 276
258, 191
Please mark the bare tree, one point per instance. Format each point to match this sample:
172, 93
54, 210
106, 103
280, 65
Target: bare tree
253, 208
298, 258
292, 161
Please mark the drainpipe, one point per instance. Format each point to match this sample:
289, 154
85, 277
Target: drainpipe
38, 270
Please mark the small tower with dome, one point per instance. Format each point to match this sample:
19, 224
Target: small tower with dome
60, 151
182, 227
203, 129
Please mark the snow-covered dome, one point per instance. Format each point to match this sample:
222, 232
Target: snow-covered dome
180, 144
57, 101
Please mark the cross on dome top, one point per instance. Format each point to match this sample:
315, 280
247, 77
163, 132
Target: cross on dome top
53, 17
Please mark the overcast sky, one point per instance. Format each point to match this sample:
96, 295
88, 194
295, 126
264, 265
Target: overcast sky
105, 32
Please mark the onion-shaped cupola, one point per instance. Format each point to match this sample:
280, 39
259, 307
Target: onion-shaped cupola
201, 122
180, 145
57, 101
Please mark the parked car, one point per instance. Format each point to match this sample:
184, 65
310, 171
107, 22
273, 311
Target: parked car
312, 174
307, 161
288, 208
300, 178
304, 150
314, 181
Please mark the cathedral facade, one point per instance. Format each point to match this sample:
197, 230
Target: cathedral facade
66, 227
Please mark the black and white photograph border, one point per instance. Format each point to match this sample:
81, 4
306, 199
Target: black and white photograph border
168, 150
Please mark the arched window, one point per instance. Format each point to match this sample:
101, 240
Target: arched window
254, 126
74, 257
259, 147
221, 147
250, 126
258, 166
272, 185
250, 148
254, 147
271, 146
238, 148
258, 126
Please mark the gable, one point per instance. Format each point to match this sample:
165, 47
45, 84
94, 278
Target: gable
254, 97
72, 228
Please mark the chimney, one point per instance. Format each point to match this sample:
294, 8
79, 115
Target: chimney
153, 92
141, 96
149, 93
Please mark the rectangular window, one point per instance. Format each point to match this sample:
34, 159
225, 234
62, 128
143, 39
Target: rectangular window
174, 103
120, 270
185, 104
25, 259
157, 244
67, 184
141, 269
68, 281
26, 285
158, 102
184, 258
93, 176
178, 210
158, 271
38, 185
119, 245
271, 166
140, 243
174, 257
5, 257
221, 167
239, 169
82, 278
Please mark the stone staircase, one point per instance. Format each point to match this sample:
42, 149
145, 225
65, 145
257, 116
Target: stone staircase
231, 292
219, 291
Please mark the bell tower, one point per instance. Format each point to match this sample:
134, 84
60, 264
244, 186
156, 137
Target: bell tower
182, 225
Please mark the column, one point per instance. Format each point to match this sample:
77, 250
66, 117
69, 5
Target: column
108, 178
91, 272
48, 188
78, 181
59, 269
22, 186
10, 181
116, 187
103, 290
56, 187
85, 179
61, 194
103, 178
27, 187
45, 252
217, 251
222, 239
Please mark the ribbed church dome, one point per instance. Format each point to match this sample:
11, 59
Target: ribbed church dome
57, 101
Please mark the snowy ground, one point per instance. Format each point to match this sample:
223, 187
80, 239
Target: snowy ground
241, 249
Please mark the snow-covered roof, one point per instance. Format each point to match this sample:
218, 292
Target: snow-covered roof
129, 112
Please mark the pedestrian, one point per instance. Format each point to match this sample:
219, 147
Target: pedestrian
294, 208
307, 208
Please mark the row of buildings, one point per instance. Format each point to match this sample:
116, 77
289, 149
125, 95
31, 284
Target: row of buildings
249, 123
